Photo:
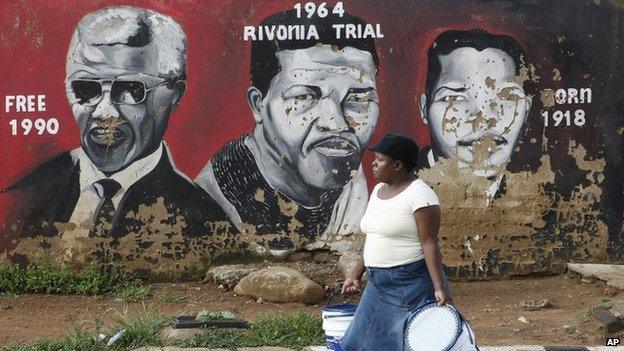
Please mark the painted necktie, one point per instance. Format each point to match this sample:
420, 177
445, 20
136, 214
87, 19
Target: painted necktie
103, 217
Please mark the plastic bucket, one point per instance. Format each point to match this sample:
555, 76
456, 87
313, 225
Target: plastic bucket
336, 320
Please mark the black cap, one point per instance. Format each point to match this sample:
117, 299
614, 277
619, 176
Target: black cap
399, 147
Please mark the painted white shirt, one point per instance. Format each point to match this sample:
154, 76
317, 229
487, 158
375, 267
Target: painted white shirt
91, 194
390, 228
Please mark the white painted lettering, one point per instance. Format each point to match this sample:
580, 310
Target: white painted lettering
586, 95
313, 33
282, 33
572, 96
20, 103
350, 31
369, 32
249, 32
560, 96
338, 29
379, 34
8, 102
41, 105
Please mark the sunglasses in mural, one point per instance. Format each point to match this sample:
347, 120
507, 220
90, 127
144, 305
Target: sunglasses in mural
89, 92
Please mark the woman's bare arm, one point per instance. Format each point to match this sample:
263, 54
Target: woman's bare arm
428, 222
352, 284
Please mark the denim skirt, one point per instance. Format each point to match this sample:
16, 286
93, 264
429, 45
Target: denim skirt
382, 314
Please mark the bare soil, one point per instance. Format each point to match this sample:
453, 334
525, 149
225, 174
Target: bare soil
492, 307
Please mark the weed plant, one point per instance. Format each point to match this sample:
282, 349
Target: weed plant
53, 279
175, 298
293, 332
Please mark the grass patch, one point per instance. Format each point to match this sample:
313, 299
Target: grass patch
52, 279
79, 340
143, 331
586, 314
133, 291
293, 332
217, 338
175, 298
287, 331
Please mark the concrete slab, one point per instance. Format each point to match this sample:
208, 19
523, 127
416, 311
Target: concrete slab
616, 283
611, 273
179, 334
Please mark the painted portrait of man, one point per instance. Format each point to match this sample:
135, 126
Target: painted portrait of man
475, 102
125, 75
297, 176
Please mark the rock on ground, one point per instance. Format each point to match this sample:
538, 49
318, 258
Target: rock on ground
532, 305
611, 323
280, 284
228, 275
617, 307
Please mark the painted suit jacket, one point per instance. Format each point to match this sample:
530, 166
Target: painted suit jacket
48, 196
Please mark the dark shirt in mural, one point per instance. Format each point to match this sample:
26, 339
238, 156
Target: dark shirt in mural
48, 196
266, 209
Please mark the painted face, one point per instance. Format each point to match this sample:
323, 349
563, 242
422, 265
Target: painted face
320, 112
120, 103
477, 109
383, 167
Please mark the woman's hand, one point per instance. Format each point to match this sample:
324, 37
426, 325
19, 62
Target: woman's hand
351, 286
443, 297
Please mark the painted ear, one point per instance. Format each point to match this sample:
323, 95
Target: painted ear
528, 101
180, 87
254, 99
423, 108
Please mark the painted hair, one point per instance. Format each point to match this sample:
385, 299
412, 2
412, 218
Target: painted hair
133, 27
478, 39
264, 62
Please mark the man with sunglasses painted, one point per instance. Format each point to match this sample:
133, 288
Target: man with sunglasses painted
126, 70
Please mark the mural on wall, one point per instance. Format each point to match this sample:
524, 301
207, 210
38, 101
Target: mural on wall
270, 108
125, 75
475, 103
297, 175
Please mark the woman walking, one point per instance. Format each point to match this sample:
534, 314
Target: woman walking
401, 256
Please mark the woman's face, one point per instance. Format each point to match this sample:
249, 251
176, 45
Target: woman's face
384, 167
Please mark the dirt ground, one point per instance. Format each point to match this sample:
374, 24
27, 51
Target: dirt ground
490, 306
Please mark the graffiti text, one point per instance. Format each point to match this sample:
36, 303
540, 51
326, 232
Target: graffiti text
24, 103
559, 116
40, 125
573, 96
321, 10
